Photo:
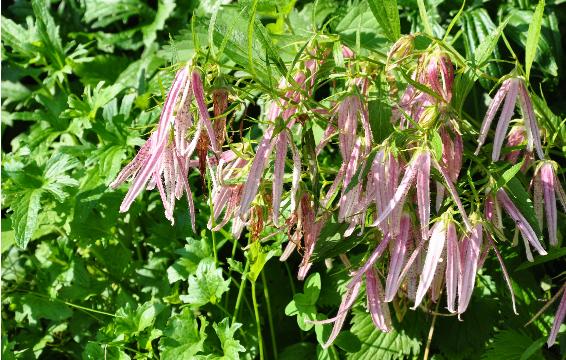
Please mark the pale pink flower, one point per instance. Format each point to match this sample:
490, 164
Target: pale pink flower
511, 90
558, 318
547, 184
163, 161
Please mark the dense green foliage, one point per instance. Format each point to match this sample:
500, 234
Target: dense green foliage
83, 83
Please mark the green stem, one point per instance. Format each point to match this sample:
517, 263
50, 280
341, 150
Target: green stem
241, 292
258, 322
270, 315
212, 232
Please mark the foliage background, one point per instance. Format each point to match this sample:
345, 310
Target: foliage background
82, 84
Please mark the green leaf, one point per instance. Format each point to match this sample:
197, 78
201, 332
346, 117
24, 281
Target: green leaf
36, 308
191, 255
436, 144
182, 338
164, 10
510, 344
25, 217
49, 33
521, 199
230, 346
332, 242
375, 344
553, 253
533, 37
258, 259
207, 285
508, 175
386, 13
106, 12
424, 17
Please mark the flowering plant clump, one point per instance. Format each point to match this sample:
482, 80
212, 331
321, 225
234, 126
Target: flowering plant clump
367, 161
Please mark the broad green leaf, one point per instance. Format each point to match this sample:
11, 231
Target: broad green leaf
25, 217
379, 345
187, 264
35, 308
510, 344
258, 258
207, 284
230, 346
49, 33
359, 28
533, 37
101, 13
164, 10
182, 339
386, 13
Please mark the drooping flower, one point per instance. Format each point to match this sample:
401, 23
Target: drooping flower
523, 225
512, 89
558, 318
163, 161
547, 184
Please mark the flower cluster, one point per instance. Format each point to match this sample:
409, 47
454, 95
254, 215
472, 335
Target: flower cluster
386, 185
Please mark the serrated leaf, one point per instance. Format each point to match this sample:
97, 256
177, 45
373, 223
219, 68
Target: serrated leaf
533, 37
25, 217
510, 344
376, 344
182, 339
207, 285
230, 346
104, 12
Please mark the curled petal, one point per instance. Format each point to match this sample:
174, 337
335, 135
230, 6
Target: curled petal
547, 179
423, 192
533, 134
397, 259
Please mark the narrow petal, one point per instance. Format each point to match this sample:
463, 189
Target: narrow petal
378, 308
435, 247
491, 111
547, 179
278, 172
533, 133
470, 253
452, 266
504, 119
402, 190
423, 192
370, 261
251, 186
523, 225
558, 319
203, 110
397, 259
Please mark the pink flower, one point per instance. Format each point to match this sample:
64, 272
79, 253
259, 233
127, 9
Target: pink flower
547, 183
510, 90
163, 161
558, 318
525, 228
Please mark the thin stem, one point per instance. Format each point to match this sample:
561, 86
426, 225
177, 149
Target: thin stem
211, 204
430, 333
241, 292
258, 322
269, 315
